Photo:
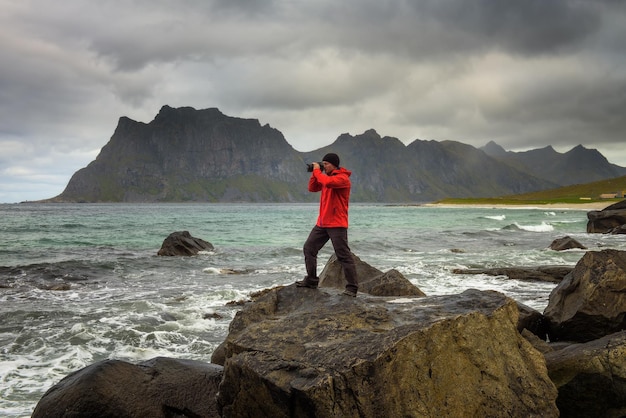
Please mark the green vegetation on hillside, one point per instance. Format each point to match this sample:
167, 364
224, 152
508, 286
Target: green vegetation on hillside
577, 193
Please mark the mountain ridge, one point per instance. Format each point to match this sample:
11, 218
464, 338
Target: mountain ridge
185, 154
546, 162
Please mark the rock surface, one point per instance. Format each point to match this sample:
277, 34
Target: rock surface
590, 302
566, 243
591, 377
181, 243
610, 220
161, 387
315, 353
552, 274
532, 320
371, 280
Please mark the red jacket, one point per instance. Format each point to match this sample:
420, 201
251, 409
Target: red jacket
335, 189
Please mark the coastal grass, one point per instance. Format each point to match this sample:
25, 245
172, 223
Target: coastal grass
575, 194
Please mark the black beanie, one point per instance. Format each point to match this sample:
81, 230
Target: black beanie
332, 158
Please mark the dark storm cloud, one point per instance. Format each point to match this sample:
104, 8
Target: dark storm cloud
527, 27
523, 73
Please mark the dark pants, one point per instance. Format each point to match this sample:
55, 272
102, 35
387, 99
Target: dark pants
339, 237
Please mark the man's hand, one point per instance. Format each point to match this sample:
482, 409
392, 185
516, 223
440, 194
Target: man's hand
316, 165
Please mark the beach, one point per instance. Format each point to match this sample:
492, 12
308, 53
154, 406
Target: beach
551, 206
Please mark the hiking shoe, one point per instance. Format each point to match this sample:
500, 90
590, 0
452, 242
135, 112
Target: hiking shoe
304, 283
349, 293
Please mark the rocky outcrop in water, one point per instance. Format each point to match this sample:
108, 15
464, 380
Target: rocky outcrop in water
371, 280
566, 243
322, 354
157, 388
610, 220
591, 377
541, 273
590, 302
181, 243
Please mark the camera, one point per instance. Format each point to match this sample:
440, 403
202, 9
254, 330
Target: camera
309, 167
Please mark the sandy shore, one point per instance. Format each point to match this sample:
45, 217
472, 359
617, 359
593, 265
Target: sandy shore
552, 206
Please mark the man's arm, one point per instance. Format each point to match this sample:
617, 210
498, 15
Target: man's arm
339, 181
314, 185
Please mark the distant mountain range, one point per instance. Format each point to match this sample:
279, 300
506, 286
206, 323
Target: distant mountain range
189, 155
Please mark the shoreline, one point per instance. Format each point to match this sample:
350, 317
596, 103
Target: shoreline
560, 206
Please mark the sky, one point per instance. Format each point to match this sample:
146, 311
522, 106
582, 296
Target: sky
525, 74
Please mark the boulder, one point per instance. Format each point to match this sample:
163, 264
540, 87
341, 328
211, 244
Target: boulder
182, 243
298, 352
160, 387
566, 243
371, 280
590, 302
591, 377
532, 320
611, 219
391, 283
553, 274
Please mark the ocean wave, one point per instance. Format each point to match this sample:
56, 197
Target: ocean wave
495, 217
542, 227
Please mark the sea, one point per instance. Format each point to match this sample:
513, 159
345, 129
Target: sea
81, 283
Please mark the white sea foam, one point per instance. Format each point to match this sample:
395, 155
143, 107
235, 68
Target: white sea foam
496, 217
403, 300
543, 227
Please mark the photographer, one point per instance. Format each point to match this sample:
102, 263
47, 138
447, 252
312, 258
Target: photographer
332, 222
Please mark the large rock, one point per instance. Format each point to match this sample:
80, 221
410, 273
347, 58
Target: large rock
566, 243
591, 377
371, 280
298, 352
532, 320
590, 302
552, 274
611, 219
182, 243
161, 387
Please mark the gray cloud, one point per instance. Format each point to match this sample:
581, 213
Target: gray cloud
525, 74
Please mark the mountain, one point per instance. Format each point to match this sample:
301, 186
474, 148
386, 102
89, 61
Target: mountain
385, 170
193, 155
190, 155
577, 166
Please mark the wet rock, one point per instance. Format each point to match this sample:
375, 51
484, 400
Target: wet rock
591, 377
566, 243
313, 352
552, 274
181, 243
590, 302
371, 280
161, 387
610, 220
532, 320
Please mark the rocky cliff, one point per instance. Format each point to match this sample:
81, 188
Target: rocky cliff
186, 154
190, 155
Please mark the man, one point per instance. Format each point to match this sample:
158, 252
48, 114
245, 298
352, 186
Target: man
332, 222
